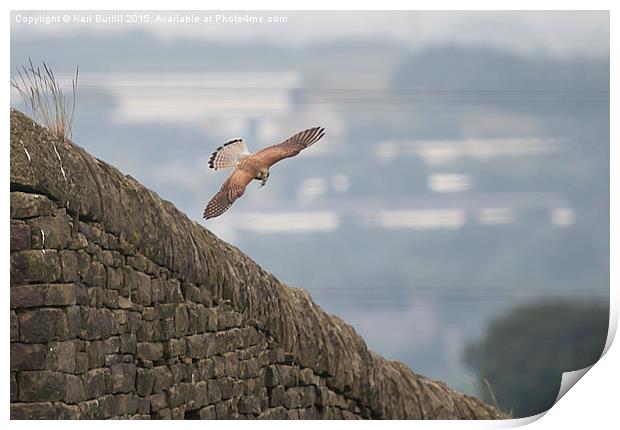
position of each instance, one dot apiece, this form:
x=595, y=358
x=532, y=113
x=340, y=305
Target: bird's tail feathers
x=228, y=155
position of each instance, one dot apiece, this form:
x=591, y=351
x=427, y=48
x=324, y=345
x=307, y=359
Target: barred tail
x=228, y=155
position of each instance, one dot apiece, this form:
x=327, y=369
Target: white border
x=592, y=403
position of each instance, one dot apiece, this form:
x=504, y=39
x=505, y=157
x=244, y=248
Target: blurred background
x=457, y=211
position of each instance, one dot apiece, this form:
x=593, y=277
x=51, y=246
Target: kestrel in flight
x=249, y=166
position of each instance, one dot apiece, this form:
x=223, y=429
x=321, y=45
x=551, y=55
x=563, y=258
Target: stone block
x=42, y=325
x=20, y=236
x=196, y=346
x=150, y=351
x=181, y=320
x=141, y=290
x=29, y=205
x=158, y=401
x=123, y=378
x=96, y=275
x=115, y=278
x=27, y=296
x=214, y=393
x=95, y=352
x=61, y=294
x=68, y=412
x=249, y=405
x=50, y=232
x=61, y=356
x=174, y=348
x=208, y=413
x=14, y=327
x=145, y=379
x=33, y=411
x=27, y=356
x=276, y=396
x=68, y=264
x=40, y=386
x=163, y=379
x=35, y=266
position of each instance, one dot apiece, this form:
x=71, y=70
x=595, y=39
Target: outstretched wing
x=290, y=147
x=230, y=191
x=228, y=155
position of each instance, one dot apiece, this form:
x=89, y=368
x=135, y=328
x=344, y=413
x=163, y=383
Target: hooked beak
x=263, y=182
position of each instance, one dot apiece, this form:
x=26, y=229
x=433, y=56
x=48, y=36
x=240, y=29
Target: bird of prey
x=249, y=166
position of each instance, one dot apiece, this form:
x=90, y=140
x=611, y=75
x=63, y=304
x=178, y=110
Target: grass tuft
x=44, y=98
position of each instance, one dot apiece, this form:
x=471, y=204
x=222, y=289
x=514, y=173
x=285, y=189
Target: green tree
x=521, y=359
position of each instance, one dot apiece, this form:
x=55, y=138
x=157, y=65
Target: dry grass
x=44, y=98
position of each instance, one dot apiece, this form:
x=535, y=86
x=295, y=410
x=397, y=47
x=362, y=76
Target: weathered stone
x=163, y=379
x=123, y=378
x=287, y=375
x=128, y=343
x=34, y=266
x=181, y=321
x=81, y=363
x=276, y=396
x=14, y=327
x=172, y=291
x=38, y=386
x=219, y=366
x=157, y=291
x=174, y=348
x=141, y=290
x=50, y=231
x=68, y=263
x=78, y=241
x=214, y=393
x=125, y=404
x=20, y=236
x=205, y=369
x=88, y=409
x=208, y=413
x=144, y=407
x=150, y=350
x=149, y=313
x=83, y=263
x=42, y=325
x=110, y=299
x=60, y=294
x=68, y=412
x=224, y=410
x=112, y=345
x=14, y=396
x=249, y=405
x=95, y=351
x=27, y=296
x=146, y=331
x=29, y=205
x=196, y=346
x=27, y=357
x=61, y=356
x=33, y=411
x=115, y=278
x=158, y=401
x=178, y=394
x=227, y=319
x=96, y=275
x=145, y=379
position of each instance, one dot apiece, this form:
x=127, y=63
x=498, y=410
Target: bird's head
x=263, y=175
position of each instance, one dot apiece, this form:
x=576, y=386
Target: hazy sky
x=555, y=33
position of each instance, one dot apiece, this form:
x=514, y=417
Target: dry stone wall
x=122, y=307
x=100, y=331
